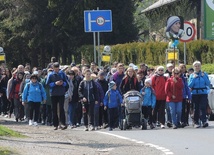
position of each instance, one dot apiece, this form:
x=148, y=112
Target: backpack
x=28, y=87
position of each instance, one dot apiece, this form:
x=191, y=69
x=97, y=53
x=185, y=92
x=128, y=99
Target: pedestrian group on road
x=86, y=95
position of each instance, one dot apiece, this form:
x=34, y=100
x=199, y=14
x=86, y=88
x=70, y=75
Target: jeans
x=168, y=113
x=176, y=110
x=72, y=113
x=96, y=115
x=200, y=101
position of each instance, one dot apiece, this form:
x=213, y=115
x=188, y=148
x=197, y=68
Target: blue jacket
x=149, y=98
x=54, y=89
x=100, y=95
x=34, y=92
x=198, y=83
x=112, y=99
x=186, y=90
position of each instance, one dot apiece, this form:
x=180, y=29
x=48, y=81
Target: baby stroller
x=132, y=111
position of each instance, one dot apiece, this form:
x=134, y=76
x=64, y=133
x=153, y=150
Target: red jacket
x=176, y=89
x=158, y=84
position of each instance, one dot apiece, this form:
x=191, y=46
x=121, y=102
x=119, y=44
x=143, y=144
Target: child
x=112, y=100
x=149, y=101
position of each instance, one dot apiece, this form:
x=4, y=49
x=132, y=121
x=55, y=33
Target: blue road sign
x=98, y=21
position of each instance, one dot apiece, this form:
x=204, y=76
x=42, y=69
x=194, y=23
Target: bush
x=153, y=53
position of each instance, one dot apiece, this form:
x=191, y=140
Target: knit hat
x=160, y=67
x=171, y=20
x=169, y=65
x=111, y=84
x=34, y=75
x=149, y=81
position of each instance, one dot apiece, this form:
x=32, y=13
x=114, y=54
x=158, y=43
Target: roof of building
x=157, y=5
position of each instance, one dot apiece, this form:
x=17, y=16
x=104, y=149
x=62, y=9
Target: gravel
x=44, y=140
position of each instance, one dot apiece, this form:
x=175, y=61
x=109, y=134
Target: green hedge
x=153, y=53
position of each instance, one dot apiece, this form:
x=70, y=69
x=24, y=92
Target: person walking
x=88, y=95
x=112, y=101
x=58, y=84
x=158, y=84
x=149, y=101
x=198, y=83
x=174, y=96
x=33, y=94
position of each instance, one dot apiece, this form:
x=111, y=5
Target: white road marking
x=164, y=150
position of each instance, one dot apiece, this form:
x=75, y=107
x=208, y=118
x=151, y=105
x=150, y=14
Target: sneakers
x=86, y=129
x=175, y=127
x=169, y=124
x=197, y=126
x=205, y=124
x=64, y=127
x=92, y=128
x=152, y=126
x=162, y=126
x=96, y=128
x=35, y=123
x=30, y=122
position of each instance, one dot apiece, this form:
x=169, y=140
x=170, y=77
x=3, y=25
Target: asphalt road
x=182, y=141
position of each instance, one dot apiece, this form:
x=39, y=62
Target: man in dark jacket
x=88, y=95
x=103, y=116
x=57, y=82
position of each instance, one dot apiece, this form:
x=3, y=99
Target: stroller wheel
x=144, y=124
x=124, y=124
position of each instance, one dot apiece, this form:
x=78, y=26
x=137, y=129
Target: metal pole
x=94, y=37
x=185, y=61
x=98, y=44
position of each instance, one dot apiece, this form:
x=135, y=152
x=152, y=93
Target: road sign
x=189, y=32
x=98, y=21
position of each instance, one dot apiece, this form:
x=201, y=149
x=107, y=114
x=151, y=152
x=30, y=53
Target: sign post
x=97, y=21
x=189, y=34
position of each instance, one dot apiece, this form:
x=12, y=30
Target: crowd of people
x=66, y=97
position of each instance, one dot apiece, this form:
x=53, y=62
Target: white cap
x=148, y=80
x=169, y=65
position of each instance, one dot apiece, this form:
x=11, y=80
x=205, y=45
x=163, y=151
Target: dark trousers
x=200, y=101
x=185, y=112
x=79, y=113
x=159, y=111
x=5, y=104
x=58, y=101
x=11, y=106
x=88, y=115
x=147, y=112
x=18, y=109
x=113, y=117
x=34, y=109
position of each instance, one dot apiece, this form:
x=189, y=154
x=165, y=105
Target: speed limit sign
x=189, y=32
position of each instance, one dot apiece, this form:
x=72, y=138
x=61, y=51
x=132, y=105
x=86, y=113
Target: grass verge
x=5, y=151
x=4, y=131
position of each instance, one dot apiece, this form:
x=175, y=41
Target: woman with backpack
x=33, y=94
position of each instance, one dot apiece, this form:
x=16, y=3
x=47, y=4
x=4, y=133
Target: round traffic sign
x=100, y=21
x=1, y=49
x=189, y=32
